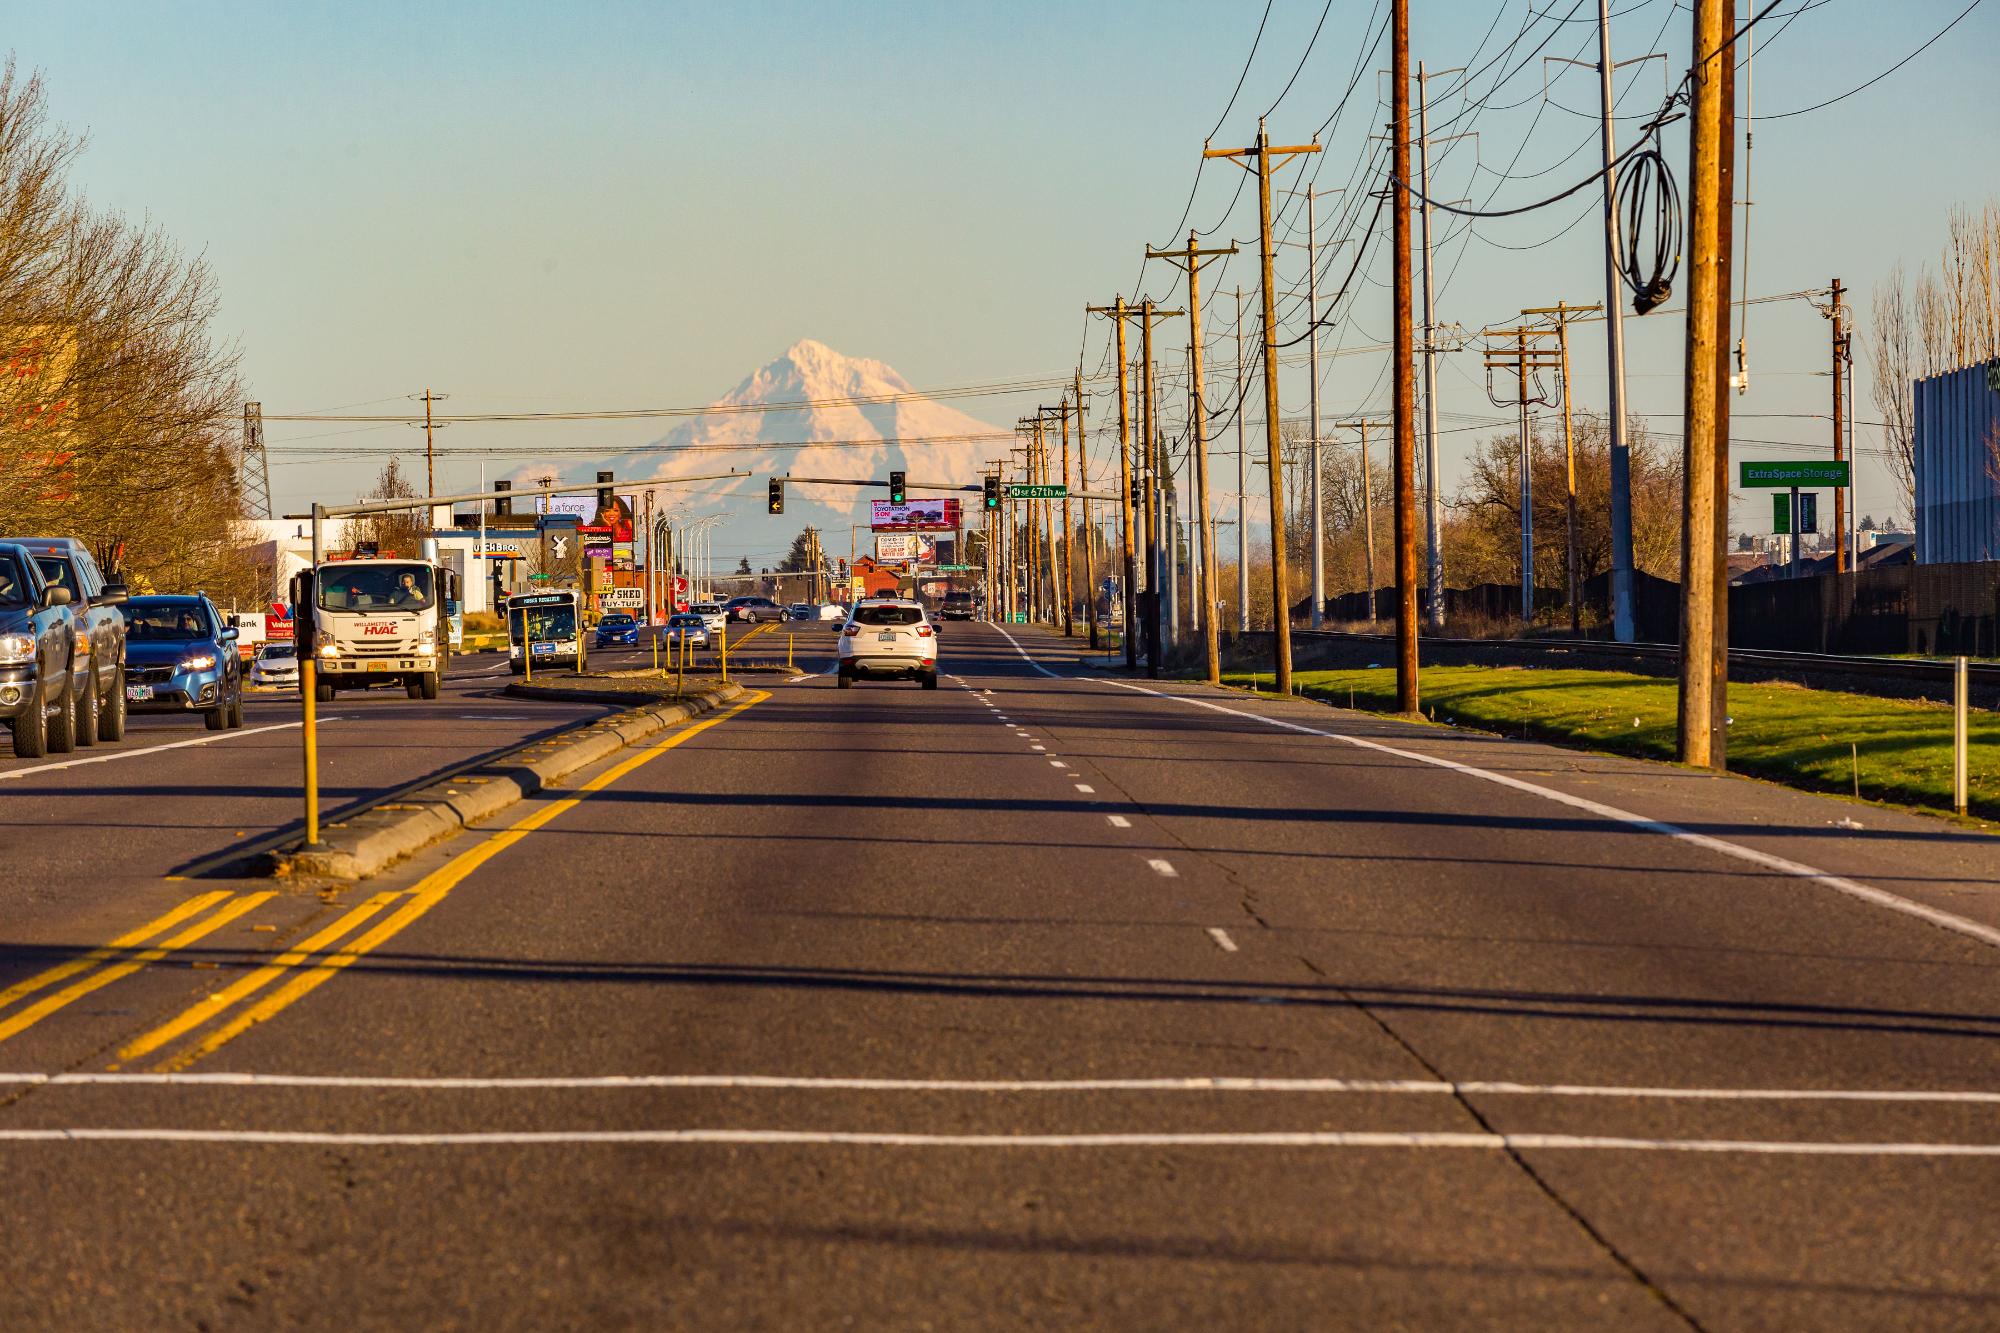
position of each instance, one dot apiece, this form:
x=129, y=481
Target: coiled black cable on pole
x=1648, y=203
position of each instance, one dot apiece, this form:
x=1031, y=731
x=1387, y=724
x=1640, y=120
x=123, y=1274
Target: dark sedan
x=615, y=629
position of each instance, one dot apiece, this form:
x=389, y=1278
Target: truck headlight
x=329, y=650
x=17, y=648
x=197, y=662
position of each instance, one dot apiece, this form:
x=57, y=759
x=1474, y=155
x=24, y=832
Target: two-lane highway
x=1047, y=997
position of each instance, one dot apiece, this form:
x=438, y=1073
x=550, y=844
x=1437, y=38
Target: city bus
x=547, y=624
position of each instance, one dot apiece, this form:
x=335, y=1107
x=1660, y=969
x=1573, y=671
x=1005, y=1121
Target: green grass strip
x=1788, y=734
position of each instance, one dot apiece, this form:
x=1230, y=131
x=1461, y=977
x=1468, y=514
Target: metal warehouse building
x=1958, y=466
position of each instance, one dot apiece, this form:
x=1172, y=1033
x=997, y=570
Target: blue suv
x=181, y=658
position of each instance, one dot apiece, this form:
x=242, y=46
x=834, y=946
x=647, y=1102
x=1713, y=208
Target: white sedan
x=276, y=667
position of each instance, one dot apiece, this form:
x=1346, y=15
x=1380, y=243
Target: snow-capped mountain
x=830, y=436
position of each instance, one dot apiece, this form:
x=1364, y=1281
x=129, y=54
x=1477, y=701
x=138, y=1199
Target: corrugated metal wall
x=1958, y=456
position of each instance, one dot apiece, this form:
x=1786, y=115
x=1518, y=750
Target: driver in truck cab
x=406, y=593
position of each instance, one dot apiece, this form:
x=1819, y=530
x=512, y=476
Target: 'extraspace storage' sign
x=916, y=516
x=1795, y=474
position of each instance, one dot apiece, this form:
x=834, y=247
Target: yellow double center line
x=121, y=958
x=309, y=968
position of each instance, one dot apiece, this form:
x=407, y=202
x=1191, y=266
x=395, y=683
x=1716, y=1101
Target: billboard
x=579, y=507
x=897, y=547
x=916, y=515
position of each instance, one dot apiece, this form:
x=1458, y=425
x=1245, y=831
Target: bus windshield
x=545, y=624
x=375, y=587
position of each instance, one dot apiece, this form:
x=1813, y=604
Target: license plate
x=378, y=666
x=136, y=692
x=887, y=636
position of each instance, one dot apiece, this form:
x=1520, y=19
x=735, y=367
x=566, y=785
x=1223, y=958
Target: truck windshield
x=376, y=588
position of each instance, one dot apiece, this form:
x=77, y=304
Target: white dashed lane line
x=1164, y=869
x=1086, y=789
x=1119, y=821
x=1222, y=940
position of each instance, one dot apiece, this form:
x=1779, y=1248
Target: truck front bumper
x=349, y=667
x=17, y=689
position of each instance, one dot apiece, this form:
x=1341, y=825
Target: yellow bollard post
x=790, y=639
x=528, y=655
x=308, y=693
x=723, y=656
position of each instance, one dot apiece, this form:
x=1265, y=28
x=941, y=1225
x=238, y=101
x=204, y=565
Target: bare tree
x=1950, y=319
x=399, y=531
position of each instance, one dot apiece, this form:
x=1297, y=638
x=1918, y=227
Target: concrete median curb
x=374, y=839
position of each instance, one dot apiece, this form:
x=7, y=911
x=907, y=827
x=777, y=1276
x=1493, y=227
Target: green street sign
x=1787, y=475
x=1781, y=514
x=538, y=578
x=1026, y=492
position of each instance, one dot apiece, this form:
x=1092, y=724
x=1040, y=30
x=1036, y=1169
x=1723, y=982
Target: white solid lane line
x=839, y=1083
x=153, y=749
x=1222, y=940
x=880, y=1139
x=1867, y=893
x=1024, y=654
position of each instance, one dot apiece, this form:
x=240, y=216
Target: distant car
x=754, y=609
x=833, y=611
x=711, y=614
x=617, y=627
x=98, y=685
x=181, y=658
x=276, y=667
x=957, y=606
x=37, y=641
x=888, y=637
x=802, y=611
x=686, y=627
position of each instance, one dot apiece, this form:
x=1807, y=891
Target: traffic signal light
x=896, y=488
x=777, y=496
x=992, y=496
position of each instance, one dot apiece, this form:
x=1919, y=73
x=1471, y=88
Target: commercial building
x=1958, y=466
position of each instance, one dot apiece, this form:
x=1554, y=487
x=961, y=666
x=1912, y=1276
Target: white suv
x=888, y=637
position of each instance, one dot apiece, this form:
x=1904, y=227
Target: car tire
x=236, y=708
x=427, y=688
x=62, y=726
x=31, y=733
x=216, y=718
x=846, y=679
x=322, y=692
x=111, y=714
x=87, y=713
x=929, y=679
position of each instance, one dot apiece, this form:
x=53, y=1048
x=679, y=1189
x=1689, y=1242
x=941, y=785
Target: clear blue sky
x=634, y=204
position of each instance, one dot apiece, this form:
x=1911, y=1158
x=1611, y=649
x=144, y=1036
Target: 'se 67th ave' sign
x=1795, y=474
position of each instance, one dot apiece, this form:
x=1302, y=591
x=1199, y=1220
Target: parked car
x=37, y=639
x=888, y=637
x=617, y=627
x=181, y=658
x=957, y=606
x=686, y=627
x=98, y=684
x=754, y=609
x=712, y=615
x=276, y=667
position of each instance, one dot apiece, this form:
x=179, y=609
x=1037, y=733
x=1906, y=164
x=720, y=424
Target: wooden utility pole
x=1564, y=314
x=1263, y=152
x=1522, y=358
x=1118, y=312
x=1405, y=372
x=1840, y=357
x=1206, y=596
x=1089, y=528
x=1069, y=532
x=1242, y=488
x=1725, y=254
x=430, y=451
x=1693, y=730
x=1363, y=424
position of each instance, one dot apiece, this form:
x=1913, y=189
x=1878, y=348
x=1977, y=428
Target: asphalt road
x=1044, y=998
